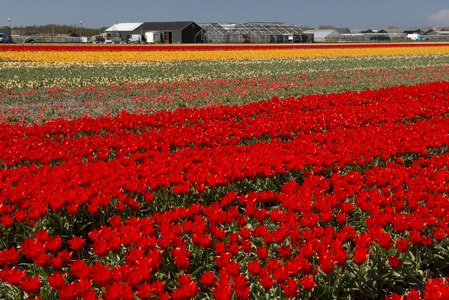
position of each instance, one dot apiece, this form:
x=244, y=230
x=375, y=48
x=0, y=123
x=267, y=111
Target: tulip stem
x=416, y=258
x=21, y=293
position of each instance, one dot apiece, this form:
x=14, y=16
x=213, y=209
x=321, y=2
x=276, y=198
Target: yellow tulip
x=134, y=56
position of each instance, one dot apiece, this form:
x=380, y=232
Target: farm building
x=324, y=35
x=436, y=35
x=253, y=32
x=6, y=31
x=153, y=32
x=366, y=35
x=373, y=36
x=368, y=31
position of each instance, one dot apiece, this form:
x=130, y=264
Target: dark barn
x=163, y=32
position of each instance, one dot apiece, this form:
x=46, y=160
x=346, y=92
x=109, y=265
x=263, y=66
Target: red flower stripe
x=323, y=117
x=303, y=207
x=201, y=47
x=185, y=168
x=193, y=92
x=393, y=201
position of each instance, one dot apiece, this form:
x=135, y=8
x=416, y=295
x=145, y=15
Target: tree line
x=50, y=29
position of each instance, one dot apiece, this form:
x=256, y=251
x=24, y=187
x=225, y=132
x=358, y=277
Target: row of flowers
x=200, y=47
x=35, y=75
x=319, y=196
x=322, y=231
x=130, y=55
x=315, y=119
x=52, y=102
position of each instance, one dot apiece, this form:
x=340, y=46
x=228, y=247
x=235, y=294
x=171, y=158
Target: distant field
x=34, y=89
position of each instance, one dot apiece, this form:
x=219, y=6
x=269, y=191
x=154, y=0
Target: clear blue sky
x=361, y=14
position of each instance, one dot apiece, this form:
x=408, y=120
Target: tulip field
x=224, y=172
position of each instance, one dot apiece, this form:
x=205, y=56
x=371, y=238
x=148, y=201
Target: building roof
x=413, y=31
x=323, y=33
x=343, y=30
x=251, y=28
x=124, y=27
x=150, y=26
x=437, y=32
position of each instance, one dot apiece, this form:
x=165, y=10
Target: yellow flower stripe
x=123, y=56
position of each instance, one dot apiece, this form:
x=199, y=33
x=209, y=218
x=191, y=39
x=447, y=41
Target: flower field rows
x=224, y=172
x=63, y=100
x=54, y=55
x=200, y=47
x=319, y=196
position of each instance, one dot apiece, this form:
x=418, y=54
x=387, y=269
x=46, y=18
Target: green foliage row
x=42, y=75
x=42, y=91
